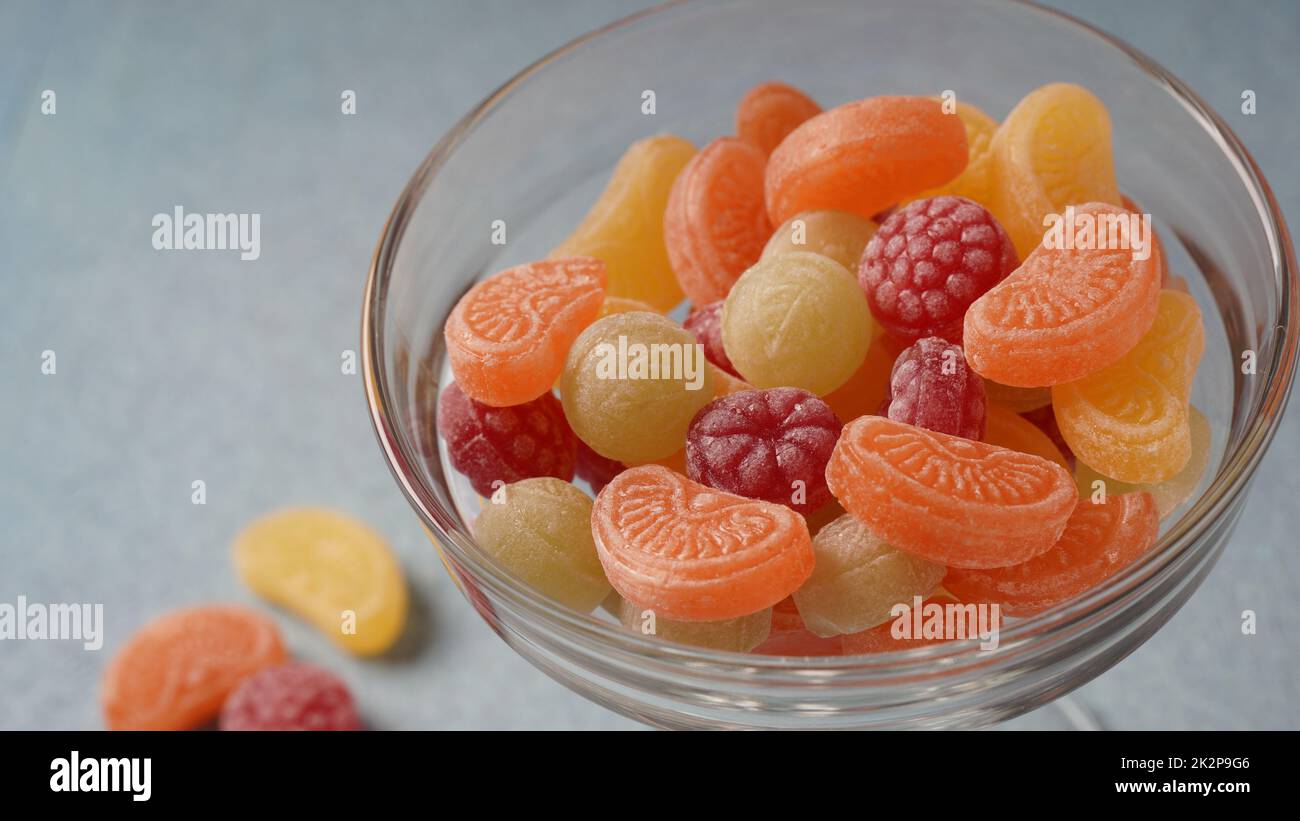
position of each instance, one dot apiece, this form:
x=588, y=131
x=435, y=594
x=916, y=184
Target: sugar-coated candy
x=692, y=553
x=789, y=636
x=932, y=387
x=1172, y=492
x=836, y=234
x=738, y=635
x=290, y=697
x=976, y=181
x=705, y=322
x=769, y=112
x=1008, y=429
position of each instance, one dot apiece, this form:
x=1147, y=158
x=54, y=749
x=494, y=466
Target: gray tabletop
x=173, y=368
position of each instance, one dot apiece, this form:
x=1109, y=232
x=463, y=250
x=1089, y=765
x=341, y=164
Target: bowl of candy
x=828, y=364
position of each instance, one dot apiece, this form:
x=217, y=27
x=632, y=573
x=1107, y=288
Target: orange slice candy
x=1007, y=429
x=865, y=156
x=770, y=111
x=976, y=182
x=507, y=338
x=1098, y=542
x=176, y=671
x=716, y=225
x=692, y=553
x=1064, y=313
x=948, y=499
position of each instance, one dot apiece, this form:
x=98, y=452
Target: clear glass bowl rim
x=443, y=525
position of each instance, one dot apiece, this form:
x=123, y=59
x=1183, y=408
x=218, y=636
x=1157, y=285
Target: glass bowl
x=536, y=153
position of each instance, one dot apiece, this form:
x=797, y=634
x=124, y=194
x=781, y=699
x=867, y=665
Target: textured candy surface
x=625, y=227
x=1157, y=247
x=1008, y=429
x=1129, y=421
x=836, y=234
x=769, y=112
x=321, y=565
x=789, y=636
x=290, y=697
x=765, y=444
x=490, y=444
x=895, y=635
x=863, y=157
x=693, y=553
x=634, y=413
x=506, y=338
x=929, y=261
x=1172, y=492
x=1064, y=313
x=976, y=181
x=948, y=499
x=932, y=387
x=716, y=224
x=1098, y=542
x=176, y=671
x=540, y=530
x=868, y=387
x=705, y=322
x=858, y=578
x=1052, y=150
x=739, y=635
x=797, y=320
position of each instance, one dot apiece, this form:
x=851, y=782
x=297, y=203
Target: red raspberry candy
x=706, y=323
x=488, y=444
x=932, y=387
x=596, y=469
x=759, y=443
x=290, y=697
x=929, y=261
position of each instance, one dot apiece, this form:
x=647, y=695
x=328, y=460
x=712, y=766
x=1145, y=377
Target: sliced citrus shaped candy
x=625, y=228
x=1098, y=541
x=770, y=111
x=864, y=157
x=1129, y=421
x=948, y=499
x=1157, y=247
x=508, y=336
x=1065, y=312
x=177, y=670
x=715, y=225
x=1051, y=151
x=331, y=570
x=1172, y=492
x=1008, y=429
x=976, y=181
x=692, y=553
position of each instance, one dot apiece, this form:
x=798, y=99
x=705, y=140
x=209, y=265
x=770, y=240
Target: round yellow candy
x=836, y=234
x=329, y=569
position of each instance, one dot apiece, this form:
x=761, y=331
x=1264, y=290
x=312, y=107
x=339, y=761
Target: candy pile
x=892, y=384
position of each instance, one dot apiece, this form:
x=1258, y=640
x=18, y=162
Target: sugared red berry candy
x=290, y=697
x=929, y=261
x=706, y=323
x=933, y=388
x=769, y=444
x=490, y=444
x=597, y=470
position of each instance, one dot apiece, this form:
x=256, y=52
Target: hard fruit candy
x=290, y=697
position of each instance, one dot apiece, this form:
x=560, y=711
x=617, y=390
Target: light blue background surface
x=174, y=367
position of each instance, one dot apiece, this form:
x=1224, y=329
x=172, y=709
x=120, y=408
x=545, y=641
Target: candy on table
x=494, y=446
x=1172, y=492
x=863, y=157
x=1051, y=151
x=738, y=635
x=768, y=444
x=622, y=398
x=705, y=322
x=506, y=338
x=797, y=320
x=932, y=387
x=1020, y=400
x=1065, y=312
x=769, y=112
x=176, y=671
x=1008, y=429
x=790, y=637
x=595, y=469
x=858, y=578
x=868, y=387
x=1044, y=419
x=716, y=224
x=540, y=530
x=929, y=261
x=1129, y=421
x=290, y=697
x=1157, y=247
x=1099, y=540
x=692, y=553
x=947, y=499
x=321, y=564
x=625, y=227
x=836, y=234
x=976, y=181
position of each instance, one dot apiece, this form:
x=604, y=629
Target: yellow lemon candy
x=329, y=569
x=835, y=234
x=625, y=228
x=976, y=182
